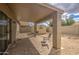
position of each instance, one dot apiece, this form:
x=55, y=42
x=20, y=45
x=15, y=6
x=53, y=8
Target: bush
x=68, y=22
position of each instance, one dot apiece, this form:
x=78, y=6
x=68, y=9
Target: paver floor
x=23, y=47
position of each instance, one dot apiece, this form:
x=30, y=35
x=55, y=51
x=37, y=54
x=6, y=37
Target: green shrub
x=68, y=22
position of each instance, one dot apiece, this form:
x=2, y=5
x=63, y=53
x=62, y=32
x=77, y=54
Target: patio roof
x=31, y=11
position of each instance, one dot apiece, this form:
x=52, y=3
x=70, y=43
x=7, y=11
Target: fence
x=70, y=30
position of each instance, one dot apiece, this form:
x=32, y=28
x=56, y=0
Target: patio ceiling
x=31, y=12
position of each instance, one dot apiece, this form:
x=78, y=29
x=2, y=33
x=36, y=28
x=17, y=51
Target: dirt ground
x=70, y=45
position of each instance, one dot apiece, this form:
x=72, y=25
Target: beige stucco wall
x=43, y=30
x=23, y=33
x=64, y=30
x=70, y=29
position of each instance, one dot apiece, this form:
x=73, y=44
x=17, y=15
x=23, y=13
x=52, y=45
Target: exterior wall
x=74, y=30
x=43, y=30
x=70, y=29
x=22, y=32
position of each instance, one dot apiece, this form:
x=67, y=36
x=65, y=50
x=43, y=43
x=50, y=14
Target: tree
x=68, y=21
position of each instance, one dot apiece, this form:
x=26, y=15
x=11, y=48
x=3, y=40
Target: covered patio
x=36, y=13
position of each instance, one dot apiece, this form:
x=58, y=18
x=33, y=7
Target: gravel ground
x=69, y=46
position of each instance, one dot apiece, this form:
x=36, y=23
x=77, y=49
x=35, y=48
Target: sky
x=74, y=15
x=71, y=9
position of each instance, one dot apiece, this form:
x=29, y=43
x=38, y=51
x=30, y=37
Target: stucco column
x=35, y=29
x=56, y=30
x=13, y=31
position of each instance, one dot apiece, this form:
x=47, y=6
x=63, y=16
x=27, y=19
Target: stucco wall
x=20, y=34
x=70, y=29
x=74, y=30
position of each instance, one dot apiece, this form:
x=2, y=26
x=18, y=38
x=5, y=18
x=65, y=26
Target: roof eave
x=52, y=7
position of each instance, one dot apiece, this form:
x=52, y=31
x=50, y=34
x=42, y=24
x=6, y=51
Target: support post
x=56, y=30
x=35, y=29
